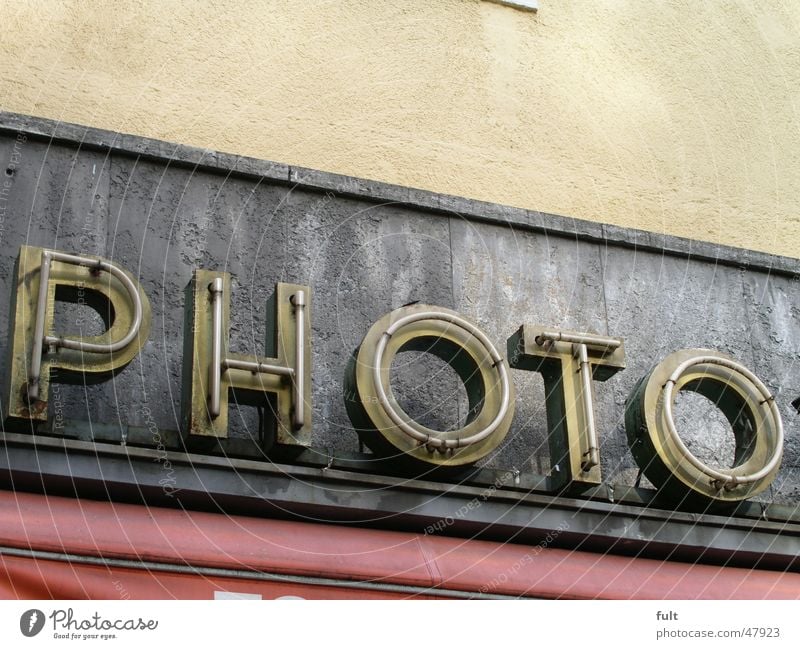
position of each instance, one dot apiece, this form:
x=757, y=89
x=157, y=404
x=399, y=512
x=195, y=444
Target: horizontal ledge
x=375, y=191
x=264, y=489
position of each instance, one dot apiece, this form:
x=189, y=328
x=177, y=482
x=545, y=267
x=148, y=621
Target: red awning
x=67, y=548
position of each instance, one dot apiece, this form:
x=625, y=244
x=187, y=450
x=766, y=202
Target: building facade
x=419, y=167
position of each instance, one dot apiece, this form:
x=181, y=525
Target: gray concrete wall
x=365, y=249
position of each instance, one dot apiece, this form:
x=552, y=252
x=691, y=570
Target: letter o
x=381, y=422
x=744, y=400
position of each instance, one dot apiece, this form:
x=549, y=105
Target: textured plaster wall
x=677, y=117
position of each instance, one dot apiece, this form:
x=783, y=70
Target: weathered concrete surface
x=366, y=249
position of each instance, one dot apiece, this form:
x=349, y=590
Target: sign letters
x=570, y=363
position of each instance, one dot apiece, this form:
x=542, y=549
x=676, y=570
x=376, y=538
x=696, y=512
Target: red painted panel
x=22, y=578
x=125, y=531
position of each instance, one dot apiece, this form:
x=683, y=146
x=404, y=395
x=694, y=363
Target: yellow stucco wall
x=678, y=117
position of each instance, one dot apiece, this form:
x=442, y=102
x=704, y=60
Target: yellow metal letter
x=211, y=370
x=42, y=277
x=744, y=400
x=381, y=422
x=570, y=362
